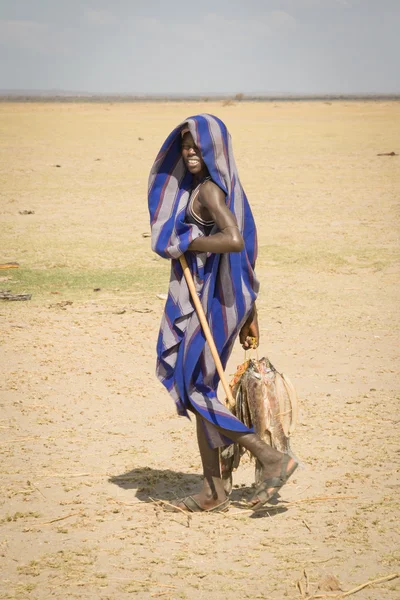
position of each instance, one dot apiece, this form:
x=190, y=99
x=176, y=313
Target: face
x=192, y=156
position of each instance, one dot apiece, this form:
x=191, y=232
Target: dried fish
x=265, y=400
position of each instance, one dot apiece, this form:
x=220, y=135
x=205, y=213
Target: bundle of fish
x=265, y=400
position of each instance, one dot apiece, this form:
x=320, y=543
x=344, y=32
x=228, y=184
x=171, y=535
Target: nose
x=191, y=150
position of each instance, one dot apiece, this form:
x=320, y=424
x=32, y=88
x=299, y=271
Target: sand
x=89, y=438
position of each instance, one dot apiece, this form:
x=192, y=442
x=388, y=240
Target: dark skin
x=210, y=205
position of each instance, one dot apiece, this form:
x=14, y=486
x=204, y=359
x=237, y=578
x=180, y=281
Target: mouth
x=193, y=162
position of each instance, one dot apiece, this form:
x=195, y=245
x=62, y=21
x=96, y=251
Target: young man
x=198, y=207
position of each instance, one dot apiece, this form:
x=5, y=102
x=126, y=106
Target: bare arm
x=228, y=238
x=249, y=335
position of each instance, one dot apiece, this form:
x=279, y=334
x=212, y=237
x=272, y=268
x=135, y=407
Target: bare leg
x=272, y=461
x=212, y=493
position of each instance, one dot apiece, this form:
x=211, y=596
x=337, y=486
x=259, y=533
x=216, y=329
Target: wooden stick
x=75, y=514
x=319, y=562
x=356, y=589
x=36, y=488
x=307, y=525
x=301, y=588
x=162, y=503
x=307, y=582
x=206, y=328
x=361, y=587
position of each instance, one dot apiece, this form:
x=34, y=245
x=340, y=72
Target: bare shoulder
x=211, y=193
x=212, y=201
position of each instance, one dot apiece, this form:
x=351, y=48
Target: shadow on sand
x=164, y=484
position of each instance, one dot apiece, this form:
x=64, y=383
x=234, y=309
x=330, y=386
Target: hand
x=249, y=335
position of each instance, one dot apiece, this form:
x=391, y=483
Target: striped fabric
x=226, y=283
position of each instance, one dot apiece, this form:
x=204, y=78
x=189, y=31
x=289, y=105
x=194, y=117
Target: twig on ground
x=72, y=475
x=304, y=591
x=301, y=589
x=320, y=499
x=25, y=491
x=319, y=562
x=132, y=504
x=129, y=579
x=7, y=295
x=307, y=582
x=75, y=514
x=302, y=491
x=307, y=525
x=30, y=483
x=368, y=583
x=356, y=589
x=22, y=439
x=286, y=504
x=176, y=508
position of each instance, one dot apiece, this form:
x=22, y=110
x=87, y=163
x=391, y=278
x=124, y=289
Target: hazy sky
x=201, y=47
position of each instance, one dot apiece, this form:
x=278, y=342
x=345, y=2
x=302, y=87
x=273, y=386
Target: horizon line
x=42, y=94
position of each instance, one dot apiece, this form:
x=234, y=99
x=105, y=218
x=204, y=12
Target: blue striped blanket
x=226, y=283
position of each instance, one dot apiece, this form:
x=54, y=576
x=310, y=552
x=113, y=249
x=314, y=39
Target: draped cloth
x=226, y=283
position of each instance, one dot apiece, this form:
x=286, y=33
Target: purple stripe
x=229, y=285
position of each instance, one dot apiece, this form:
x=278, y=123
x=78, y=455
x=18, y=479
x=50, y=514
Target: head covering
x=226, y=283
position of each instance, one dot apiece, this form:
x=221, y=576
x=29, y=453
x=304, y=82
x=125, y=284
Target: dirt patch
x=90, y=439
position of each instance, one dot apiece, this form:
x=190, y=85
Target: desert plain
x=90, y=443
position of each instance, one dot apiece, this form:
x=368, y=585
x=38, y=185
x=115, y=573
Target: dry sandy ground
x=89, y=438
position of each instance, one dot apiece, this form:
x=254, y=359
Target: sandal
x=274, y=483
x=192, y=506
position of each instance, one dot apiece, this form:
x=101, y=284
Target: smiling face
x=192, y=157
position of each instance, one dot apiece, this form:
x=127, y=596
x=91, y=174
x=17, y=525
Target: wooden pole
x=206, y=328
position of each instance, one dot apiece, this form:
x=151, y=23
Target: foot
x=190, y=504
x=275, y=475
x=202, y=501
